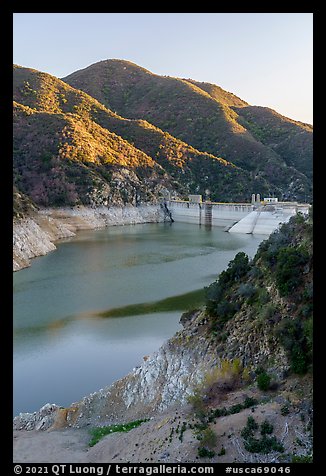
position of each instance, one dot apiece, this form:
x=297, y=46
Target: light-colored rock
x=165, y=378
x=35, y=235
x=40, y=420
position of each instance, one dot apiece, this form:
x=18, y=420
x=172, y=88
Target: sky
x=264, y=58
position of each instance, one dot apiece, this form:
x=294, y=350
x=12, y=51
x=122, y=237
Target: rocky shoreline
x=158, y=392
x=36, y=234
x=220, y=374
x=166, y=378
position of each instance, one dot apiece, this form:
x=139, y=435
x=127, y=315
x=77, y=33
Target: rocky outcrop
x=254, y=343
x=40, y=420
x=166, y=378
x=168, y=437
x=36, y=234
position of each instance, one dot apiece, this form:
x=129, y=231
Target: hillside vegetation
x=63, y=156
x=200, y=114
x=70, y=149
x=273, y=294
x=115, y=133
x=292, y=140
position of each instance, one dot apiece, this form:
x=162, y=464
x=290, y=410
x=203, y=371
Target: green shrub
x=250, y=427
x=263, y=381
x=288, y=275
x=222, y=452
x=265, y=445
x=99, y=432
x=205, y=453
x=197, y=402
x=255, y=272
x=219, y=412
x=225, y=310
x=182, y=430
x=263, y=296
x=208, y=438
x=308, y=291
x=285, y=410
x=299, y=359
x=294, y=335
x=268, y=249
x=251, y=423
x=308, y=333
x=235, y=408
x=239, y=266
x=266, y=428
x=249, y=402
x=246, y=433
x=216, y=304
x=306, y=310
x=247, y=291
x=302, y=459
x=268, y=311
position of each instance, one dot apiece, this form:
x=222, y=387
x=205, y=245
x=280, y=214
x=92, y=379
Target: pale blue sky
x=265, y=58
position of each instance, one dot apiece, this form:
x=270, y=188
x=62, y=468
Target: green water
x=87, y=313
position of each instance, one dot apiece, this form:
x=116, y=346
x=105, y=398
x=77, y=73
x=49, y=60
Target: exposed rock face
x=166, y=378
x=168, y=438
x=35, y=235
x=40, y=420
x=255, y=345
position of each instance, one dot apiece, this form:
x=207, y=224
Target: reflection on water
x=183, y=302
x=63, y=348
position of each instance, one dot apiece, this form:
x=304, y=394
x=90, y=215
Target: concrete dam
x=260, y=218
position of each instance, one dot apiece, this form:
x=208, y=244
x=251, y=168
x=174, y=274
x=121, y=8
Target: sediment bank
x=37, y=234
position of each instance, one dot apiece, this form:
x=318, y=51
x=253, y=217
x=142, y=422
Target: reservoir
x=88, y=313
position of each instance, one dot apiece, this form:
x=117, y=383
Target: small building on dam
x=259, y=217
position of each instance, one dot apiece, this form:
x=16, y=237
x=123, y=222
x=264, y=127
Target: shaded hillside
x=197, y=113
x=256, y=306
x=196, y=171
x=292, y=140
x=259, y=319
x=67, y=144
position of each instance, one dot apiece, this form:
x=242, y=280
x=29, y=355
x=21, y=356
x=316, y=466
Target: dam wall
x=250, y=218
x=209, y=213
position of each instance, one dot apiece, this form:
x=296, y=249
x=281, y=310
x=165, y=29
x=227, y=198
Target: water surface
x=87, y=313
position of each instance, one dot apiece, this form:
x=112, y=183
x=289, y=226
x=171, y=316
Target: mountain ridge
x=186, y=111
x=79, y=143
x=38, y=94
